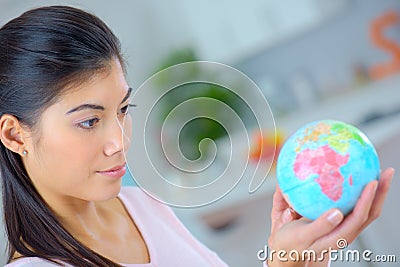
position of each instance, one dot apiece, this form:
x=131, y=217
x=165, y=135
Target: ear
x=11, y=133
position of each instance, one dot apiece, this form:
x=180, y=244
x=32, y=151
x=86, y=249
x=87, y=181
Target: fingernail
x=375, y=187
x=287, y=215
x=335, y=217
x=393, y=171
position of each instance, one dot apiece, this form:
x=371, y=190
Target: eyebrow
x=98, y=107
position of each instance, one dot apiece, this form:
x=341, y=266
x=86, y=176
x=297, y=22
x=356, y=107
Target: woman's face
x=81, y=137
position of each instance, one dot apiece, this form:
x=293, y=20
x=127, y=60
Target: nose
x=114, y=137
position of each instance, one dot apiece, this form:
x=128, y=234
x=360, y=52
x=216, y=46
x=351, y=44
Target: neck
x=85, y=220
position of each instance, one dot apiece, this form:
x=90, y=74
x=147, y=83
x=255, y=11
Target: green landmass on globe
x=326, y=164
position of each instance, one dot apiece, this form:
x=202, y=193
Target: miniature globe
x=326, y=164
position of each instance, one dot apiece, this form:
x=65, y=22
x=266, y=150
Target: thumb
x=323, y=225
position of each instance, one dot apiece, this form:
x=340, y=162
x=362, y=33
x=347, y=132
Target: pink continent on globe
x=326, y=163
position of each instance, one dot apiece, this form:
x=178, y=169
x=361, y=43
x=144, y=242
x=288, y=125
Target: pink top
x=168, y=241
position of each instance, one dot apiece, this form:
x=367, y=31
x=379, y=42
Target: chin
x=105, y=193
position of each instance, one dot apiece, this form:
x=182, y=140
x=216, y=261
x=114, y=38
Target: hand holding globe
x=291, y=231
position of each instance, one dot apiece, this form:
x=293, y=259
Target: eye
x=124, y=110
x=88, y=124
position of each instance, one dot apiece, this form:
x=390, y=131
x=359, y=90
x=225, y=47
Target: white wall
x=136, y=23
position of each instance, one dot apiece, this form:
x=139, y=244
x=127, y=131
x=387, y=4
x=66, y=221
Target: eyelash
x=124, y=111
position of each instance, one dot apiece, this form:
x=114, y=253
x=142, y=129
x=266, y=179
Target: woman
x=63, y=105
x=64, y=127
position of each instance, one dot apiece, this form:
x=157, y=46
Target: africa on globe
x=326, y=164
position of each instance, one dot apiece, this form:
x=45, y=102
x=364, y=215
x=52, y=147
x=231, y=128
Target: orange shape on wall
x=377, y=32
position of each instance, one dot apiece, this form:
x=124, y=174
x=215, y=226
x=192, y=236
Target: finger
x=381, y=193
x=323, y=225
x=279, y=205
x=352, y=225
x=295, y=215
x=283, y=205
x=287, y=216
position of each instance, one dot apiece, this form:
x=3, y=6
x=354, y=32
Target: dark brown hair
x=44, y=52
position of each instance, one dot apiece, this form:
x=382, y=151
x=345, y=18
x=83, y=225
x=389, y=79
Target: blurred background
x=312, y=59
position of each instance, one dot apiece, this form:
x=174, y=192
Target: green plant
x=197, y=129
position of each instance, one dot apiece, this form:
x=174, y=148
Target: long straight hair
x=43, y=53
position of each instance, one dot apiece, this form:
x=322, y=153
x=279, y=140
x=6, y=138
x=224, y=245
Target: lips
x=116, y=172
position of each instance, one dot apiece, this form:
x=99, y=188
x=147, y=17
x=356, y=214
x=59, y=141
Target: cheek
x=67, y=152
